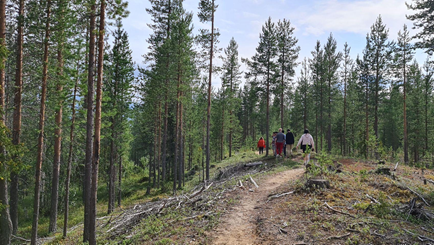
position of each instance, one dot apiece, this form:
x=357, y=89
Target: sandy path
x=238, y=226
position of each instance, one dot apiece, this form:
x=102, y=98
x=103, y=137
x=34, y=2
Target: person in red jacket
x=261, y=145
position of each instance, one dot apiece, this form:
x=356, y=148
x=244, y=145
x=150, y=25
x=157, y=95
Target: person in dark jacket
x=289, y=142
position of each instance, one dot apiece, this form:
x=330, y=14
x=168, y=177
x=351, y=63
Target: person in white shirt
x=306, y=142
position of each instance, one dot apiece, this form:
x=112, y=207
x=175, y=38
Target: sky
x=348, y=21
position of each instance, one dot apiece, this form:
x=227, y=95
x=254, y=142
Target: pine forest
x=99, y=148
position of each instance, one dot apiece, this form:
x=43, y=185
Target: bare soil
x=238, y=225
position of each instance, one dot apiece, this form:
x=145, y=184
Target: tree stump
x=317, y=183
x=385, y=171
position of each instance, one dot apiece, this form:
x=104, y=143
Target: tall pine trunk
x=57, y=139
x=113, y=152
x=208, y=116
x=41, y=129
x=16, y=130
x=5, y=221
x=97, y=139
x=405, y=117
x=71, y=146
x=89, y=124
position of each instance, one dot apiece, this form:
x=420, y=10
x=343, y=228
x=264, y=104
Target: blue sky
x=348, y=20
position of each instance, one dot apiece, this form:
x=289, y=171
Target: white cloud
x=351, y=16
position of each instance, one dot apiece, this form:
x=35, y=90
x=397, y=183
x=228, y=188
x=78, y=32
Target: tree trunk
x=41, y=129
x=97, y=139
x=329, y=130
x=57, y=141
x=222, y=134
x=208, y=121
x=405, y=117
x=89, y=125
x=344, y=140
x=113, y=153
x=71, y=144
x=16, y=131
x=120, y=181
x=5, y=221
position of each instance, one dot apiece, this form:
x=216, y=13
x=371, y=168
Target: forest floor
x=361, y=205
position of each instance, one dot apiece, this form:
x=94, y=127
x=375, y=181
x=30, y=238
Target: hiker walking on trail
x=261, y=145
x=280, y=140
x=307, y=144
x=289, y=142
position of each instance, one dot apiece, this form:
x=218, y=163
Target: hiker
x=307, y=144
x=289, y=142
x=273, y=143
x=280, y=140
x=261, y=145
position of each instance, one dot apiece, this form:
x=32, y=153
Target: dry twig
x=337, y=211
x=420, y=196
x=253, y=181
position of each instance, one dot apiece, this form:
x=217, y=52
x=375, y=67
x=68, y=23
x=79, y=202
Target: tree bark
x=5, y=221
x=57, y=140
x=71, y=145
x=16, y=130
x=208, y=120
x=89, y=124
x=41, y=129
x=97, y=139
x=405, y=116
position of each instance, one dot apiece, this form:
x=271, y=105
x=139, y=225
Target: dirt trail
x=238, y=226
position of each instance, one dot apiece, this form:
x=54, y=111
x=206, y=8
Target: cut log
x=317, y=183
x=253, y=164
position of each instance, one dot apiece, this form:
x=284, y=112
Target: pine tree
x=379, y=52
x=346, y=76
x=287, y=53
x=264, y=65
x=231, y=78
x=5, y=221
x=331, y=65
x=36, y=203
x=317, y=71
x=16, y=130
x=118, y=86
x=404, y=54
x=207, y=10
x=423, y=20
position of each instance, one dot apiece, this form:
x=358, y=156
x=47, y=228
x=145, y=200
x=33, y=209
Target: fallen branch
x=377, y=234
x=253, y=181
x=20, y=238
x=337, y=211
x=204, y=187
x=279, y=195
x=417, y=194
x=252, y=164
x=432, y=182
x=421, y=238
x=372, y=199
x=241, y=184
x=338, y=237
